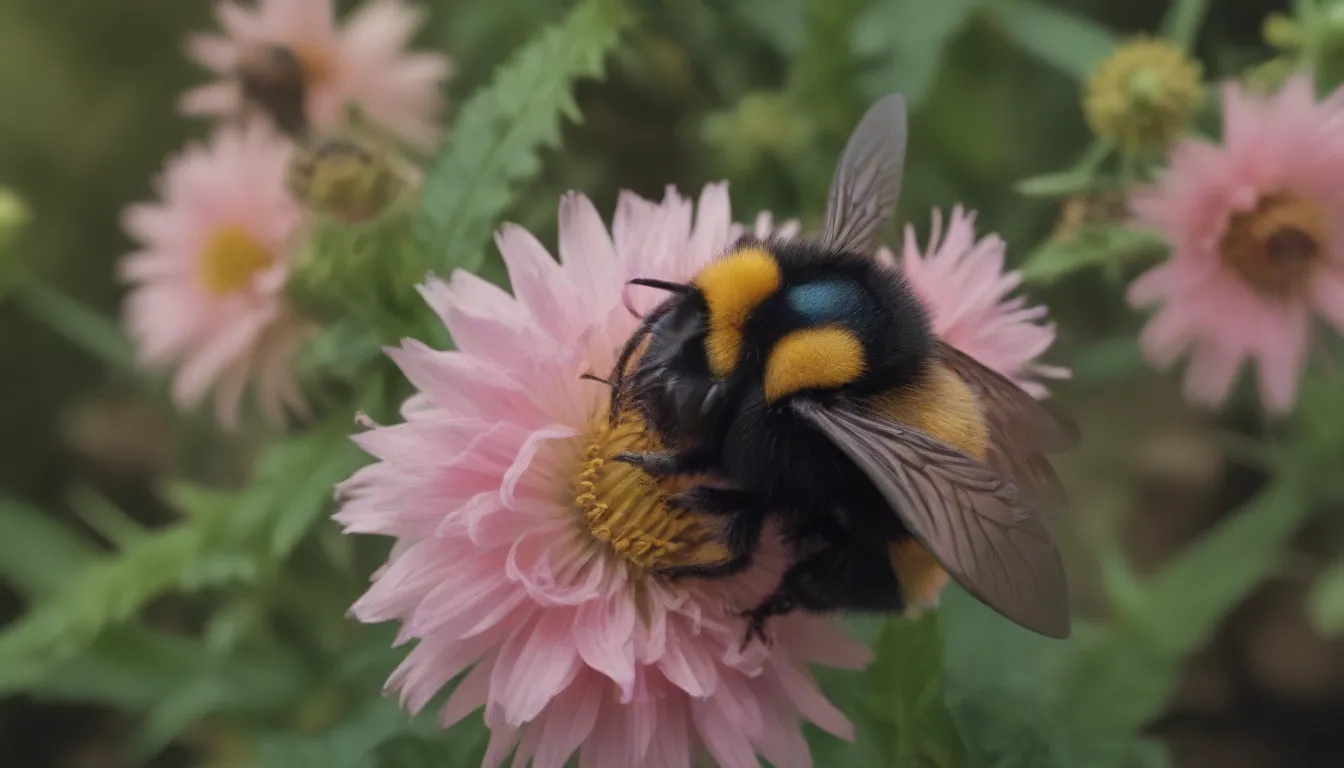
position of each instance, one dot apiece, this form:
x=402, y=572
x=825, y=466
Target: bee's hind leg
x=740, y=527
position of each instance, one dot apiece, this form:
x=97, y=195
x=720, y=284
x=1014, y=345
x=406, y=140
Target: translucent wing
x=1021, y=428
x=974, y=522
x=867, y=181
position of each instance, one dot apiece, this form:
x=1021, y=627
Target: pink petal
x=534, y=666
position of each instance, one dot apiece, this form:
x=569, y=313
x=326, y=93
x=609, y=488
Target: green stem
x=81, y=325
x=1182, y=22
x=109, y=520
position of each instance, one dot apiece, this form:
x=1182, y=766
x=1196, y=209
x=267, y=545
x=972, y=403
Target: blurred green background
x=761, y=92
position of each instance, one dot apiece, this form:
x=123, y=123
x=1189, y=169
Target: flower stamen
x=231, y=258
x=1274, y=246
x=627, y=509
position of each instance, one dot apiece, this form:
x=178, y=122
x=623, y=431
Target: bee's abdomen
x=940, y=404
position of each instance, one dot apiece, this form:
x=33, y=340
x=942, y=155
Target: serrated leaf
x=37, y=553
x=500, y=131
x=107, y=592
x=1325, y=605
x=291, y=487
x=906, y=39
x=1067, y=41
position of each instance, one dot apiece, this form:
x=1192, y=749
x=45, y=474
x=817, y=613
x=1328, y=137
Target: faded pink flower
x=522, y=550
x=207, y=285
x=966, y=290
x=1255, y=243
x=363, y=64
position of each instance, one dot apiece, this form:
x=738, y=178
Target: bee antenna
x=599, y=379
x=662, y=285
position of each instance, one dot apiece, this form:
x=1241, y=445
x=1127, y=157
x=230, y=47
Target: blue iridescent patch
x=826, y=300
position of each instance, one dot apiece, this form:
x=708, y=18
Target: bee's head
x=696, y=340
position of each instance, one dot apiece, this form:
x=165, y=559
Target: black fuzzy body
x=836, y=522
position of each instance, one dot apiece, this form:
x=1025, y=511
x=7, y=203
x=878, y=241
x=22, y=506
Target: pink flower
x=363, y=64
x=522, y=549
x=1255, y=243
x=962, y=283
x=207, y=285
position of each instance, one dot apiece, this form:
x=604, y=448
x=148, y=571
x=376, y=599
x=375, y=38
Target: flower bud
x=1141, y=96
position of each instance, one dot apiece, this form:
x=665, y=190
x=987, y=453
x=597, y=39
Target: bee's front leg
x=667, y=463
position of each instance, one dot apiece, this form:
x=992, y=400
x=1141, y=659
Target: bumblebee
x=803, y=380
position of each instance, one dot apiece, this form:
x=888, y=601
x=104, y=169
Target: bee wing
x=867, y=181
x=972, y=520
x=1021, y=428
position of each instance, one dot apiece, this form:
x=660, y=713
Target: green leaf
x=110, y=591
x=906, y=690
x=1071, y=43
x=350, y=743
x=1027, y=701
x=906, y=39
x=223, y=544
x=781, y=22
x=496, y=141
x=38, y=554
x=1325, y=605
x=1186, y=600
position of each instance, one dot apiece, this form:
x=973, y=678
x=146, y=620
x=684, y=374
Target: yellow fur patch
x=944, y=407
x=921, y=578
x=812, y=358
x=733, y=286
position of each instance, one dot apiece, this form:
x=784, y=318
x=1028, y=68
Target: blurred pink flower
x=1255, y=243
x=522, y=550
x=963, y=284
x=363, y=64
x=207, y=285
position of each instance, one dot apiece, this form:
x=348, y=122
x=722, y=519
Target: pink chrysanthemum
x=207, y=285
x=362, y=64
x=522, y=549
x=1255, y=243
x=962, y=283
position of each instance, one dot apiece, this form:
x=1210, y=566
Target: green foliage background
x=178, y=597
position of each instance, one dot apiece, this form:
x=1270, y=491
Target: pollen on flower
x=1274, y=246
x=231, y=258
x=627, y=509
x=1142, y=95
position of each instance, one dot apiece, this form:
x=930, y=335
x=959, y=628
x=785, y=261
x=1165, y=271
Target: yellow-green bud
x=1281, y=32
x=345, y=180
x=1141, y=96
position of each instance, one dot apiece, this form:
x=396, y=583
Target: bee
x=803, y=379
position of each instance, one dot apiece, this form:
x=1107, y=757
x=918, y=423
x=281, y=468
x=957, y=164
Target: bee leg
x=803, y=586
x=666, y=463
x=740, y=529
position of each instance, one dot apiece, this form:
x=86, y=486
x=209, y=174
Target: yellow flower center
x=626, y=509
x=232, y=257
x=318, y=64
x=1273, y=247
